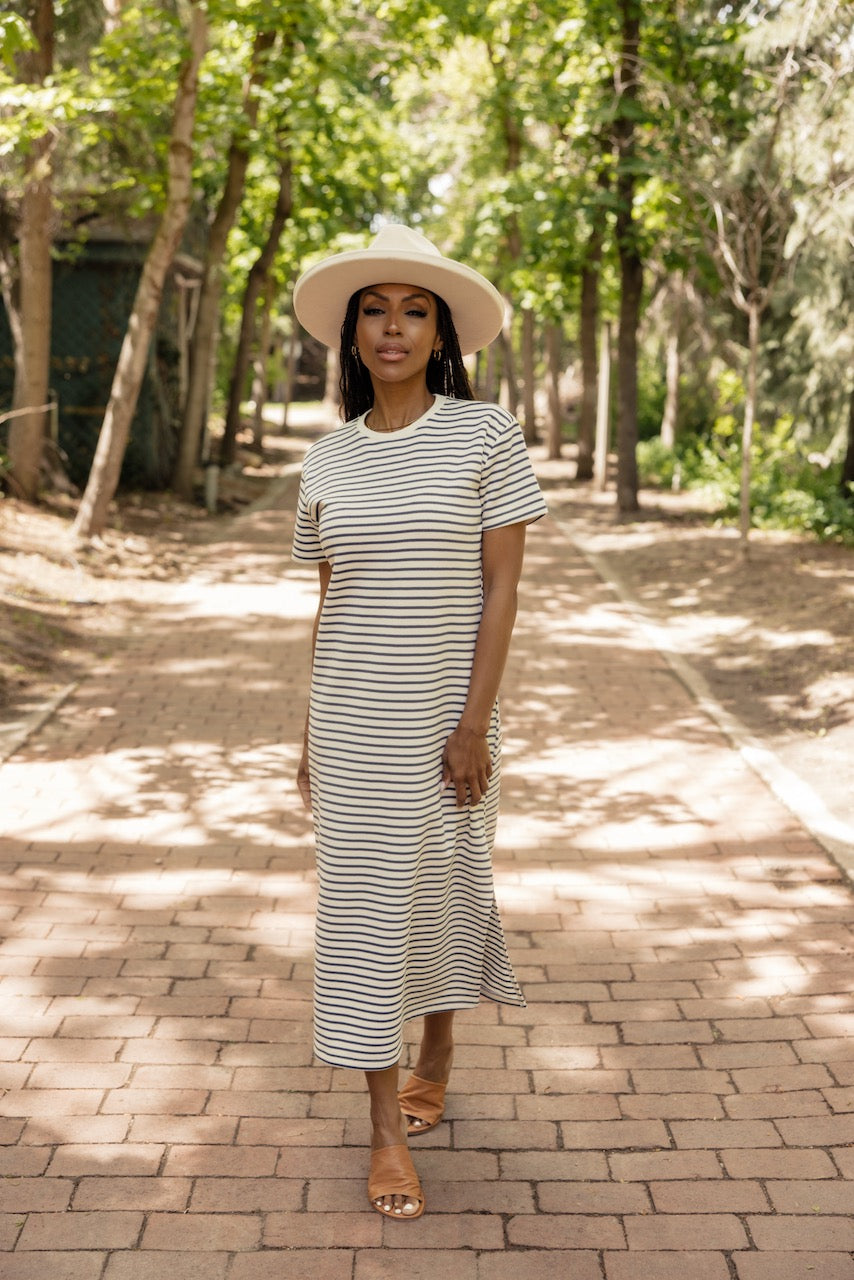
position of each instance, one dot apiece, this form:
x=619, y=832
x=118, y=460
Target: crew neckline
x=383, y=436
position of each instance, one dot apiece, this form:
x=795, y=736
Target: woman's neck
x=397, y=407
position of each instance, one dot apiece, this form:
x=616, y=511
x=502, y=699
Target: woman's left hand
x=466, y=765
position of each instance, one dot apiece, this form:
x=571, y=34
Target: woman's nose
x=391, y=324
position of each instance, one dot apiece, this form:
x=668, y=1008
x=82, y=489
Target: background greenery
x=496, y=127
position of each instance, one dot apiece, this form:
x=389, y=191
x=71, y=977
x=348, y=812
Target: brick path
x=677, y=1100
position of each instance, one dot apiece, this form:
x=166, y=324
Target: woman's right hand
x=303, y=780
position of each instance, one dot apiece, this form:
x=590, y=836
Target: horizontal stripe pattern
x=406, y=918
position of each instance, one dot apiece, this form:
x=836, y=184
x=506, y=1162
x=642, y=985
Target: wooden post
x=603, y=410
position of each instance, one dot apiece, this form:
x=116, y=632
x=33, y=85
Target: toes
x=397, y=1205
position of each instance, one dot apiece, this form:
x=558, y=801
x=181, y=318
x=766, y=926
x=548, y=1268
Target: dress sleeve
x=306, y=545
x=509, y=493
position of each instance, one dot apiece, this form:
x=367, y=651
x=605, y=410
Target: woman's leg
x=437, y=1047
x=435, y=1053
x=389, y=1129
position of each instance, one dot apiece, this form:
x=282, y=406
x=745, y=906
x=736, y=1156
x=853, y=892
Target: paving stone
x=58, y=1265
x=684, y=1065
x=419, y=1264
x=96, y=1230
x=156, y=1266
x=303, y=1264
x=666, y=1266
x=794, y=1266
x=566, y=1231
x=801, y=1232
x=535, y=1264
x=662, y=1231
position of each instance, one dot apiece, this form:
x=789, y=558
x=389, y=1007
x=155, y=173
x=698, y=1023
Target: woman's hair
x=446, y=376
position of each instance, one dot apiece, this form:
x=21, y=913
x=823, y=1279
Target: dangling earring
x=354, y=351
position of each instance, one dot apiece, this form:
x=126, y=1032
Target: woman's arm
x=466, y=762
x=325, y=573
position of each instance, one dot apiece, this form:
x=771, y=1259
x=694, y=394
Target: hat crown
x=395, y=238
x=398, y=255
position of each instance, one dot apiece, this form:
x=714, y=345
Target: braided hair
x=446, y=376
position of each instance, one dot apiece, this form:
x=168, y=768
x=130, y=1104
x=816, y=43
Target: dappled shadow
x=771, y=630
x=685, y=948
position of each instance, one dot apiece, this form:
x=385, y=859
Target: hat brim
x=322, y=293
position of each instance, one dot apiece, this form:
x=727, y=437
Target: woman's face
x=397, y=331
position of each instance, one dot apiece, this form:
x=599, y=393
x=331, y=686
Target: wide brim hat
x=398, y=255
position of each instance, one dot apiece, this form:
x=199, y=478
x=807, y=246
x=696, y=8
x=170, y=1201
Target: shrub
x=790, y=488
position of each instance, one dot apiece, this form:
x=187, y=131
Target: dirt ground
x=63, y=607
x=772, y=635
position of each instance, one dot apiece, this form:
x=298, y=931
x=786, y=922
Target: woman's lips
x=391, y=352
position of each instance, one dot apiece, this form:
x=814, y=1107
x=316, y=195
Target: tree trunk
x=529, y=377
x=511, y=127
x=673, y=366
x=511, y=383
x=10, y=285
x=631, y=265
x=207, y=317
x=124, y=393
x=672, y=373
x=254, y=286
x=293, y=354
x=631, y=288
x=847, y=477
x=35, y=273
x=260, y=372
x=749, y=420
x=603, y=412
x=491, y=373
x=553, y=361
x=331, y=391
x=588, y=330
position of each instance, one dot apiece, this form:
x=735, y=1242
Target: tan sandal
x=424, y=1100
x=393, y=1174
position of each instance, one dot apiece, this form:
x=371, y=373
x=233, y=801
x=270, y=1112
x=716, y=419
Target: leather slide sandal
x=393, y=1174
x=425, y=1101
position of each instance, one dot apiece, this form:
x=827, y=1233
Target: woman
x=415, y=513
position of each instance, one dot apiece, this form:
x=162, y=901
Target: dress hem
x=440, y=1008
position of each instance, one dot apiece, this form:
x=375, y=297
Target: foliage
x=15, y=38
x=792, y=487
x=492, y=127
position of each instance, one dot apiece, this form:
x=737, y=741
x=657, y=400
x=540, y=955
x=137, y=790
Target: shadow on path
x=676, y=1098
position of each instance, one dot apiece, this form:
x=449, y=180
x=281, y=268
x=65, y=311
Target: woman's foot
x=394, y=1170
x=433, y=1067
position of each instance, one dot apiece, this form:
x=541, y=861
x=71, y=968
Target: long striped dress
x=406, y=917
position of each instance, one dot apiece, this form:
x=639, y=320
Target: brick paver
x=677, y=1098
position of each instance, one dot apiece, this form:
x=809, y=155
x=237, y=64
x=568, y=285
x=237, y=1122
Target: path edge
x=14, y=735
x=802, y=801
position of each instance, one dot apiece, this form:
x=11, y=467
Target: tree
x=112, y=441
x=28, y=300
x=255, y=286
x=208, y=313
x=627, y=87
x=588, y=336
x=847, y=477
x=746, y=190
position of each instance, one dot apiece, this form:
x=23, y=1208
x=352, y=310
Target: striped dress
x=406, y=917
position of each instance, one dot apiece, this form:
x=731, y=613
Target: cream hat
x=398, y=255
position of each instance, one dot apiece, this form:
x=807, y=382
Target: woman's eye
x=416, y=312
x=372, y=311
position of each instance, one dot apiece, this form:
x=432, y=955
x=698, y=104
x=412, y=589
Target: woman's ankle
x=434, y=1062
